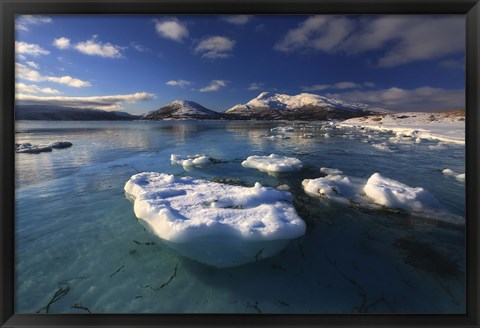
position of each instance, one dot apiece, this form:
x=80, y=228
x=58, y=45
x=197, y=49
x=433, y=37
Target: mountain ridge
x=182, y=110
x=303, y=106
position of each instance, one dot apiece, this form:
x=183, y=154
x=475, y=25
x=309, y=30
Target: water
x=79, y=247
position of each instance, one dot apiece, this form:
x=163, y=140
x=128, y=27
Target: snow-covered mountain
x=304, y=106
x=182, y=110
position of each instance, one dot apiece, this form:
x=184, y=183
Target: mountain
x=183, y=110
x=57, y=113
x=305, y=106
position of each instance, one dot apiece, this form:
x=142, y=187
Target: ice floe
x=385, y=147
x=330, y=171
x=273, y=163
x=377, y=193
x=191, y=160
x=458, y=176
x=214, y=223
x=337, y=187
x=282, y=129
x=30, y=148
x=394, y=194
x=61, y=144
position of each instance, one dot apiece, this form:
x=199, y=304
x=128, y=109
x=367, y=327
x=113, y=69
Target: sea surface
x=80, y=249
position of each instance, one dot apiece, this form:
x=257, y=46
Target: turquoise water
x=79, y=247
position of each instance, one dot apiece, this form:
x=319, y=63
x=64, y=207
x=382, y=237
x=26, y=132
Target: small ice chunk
x=273, y=163
x=277, y=136
x=191, y=160
x=335, y=187
x=61, y=144
x=214, y=223
x=458, y=176
x=282, y=129
x=330, y=171
x=394, y=194
x=307, y=136
x=383, y=147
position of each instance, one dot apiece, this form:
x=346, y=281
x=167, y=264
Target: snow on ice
x=213, y=223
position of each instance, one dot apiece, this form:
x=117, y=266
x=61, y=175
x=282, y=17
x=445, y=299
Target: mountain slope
x=304, y=106
x=36, y=112
x=182, y=110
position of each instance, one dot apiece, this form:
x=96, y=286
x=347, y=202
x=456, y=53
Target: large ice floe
x=394, y=194
x=378, y=192
x=273, y=163
x=191, y=160
x=213, y=223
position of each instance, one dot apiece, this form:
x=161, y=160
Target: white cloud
x=347, y=85
x=96, y=102
x=215, y=85
x=317, y=87
x=400, y=39
x=398, y=99
x=32, y=49
x=22, y=22
x=139, y=47
x=93, y=47
x=172, y=29
x=215, y=47
x=453, y=64
x=178, y=83
x=25, y=73
x=32, y=88
x=255, y=86
x=237, y=19
x=317, y=32
x=338, y=86
x=68, y=80
x=62, y=43
x=32, y=64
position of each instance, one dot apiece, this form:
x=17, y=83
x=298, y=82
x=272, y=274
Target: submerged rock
x=213, y=223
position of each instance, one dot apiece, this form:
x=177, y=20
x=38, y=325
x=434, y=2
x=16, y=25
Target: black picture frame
x=10, y=8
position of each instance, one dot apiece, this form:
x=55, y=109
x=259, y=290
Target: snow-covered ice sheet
x=447, y=127
x=273, y=163
x=213, y=223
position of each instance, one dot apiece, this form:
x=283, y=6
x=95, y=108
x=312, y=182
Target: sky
x=140, y=63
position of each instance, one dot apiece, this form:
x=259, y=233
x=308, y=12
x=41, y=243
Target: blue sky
x=140, y=63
